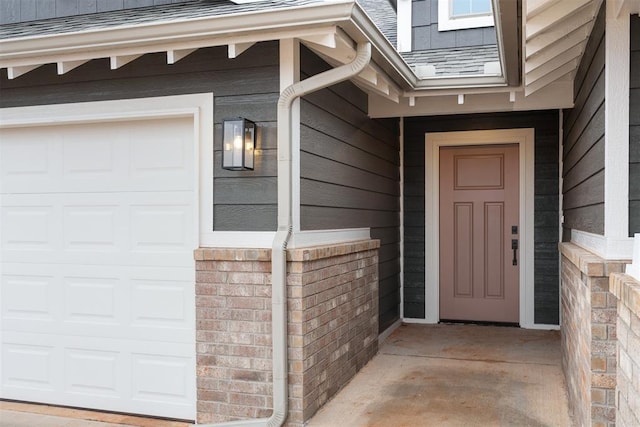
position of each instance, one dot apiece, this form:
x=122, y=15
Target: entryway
x=456, y=375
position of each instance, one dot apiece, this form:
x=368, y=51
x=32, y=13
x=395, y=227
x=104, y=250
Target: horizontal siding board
x=593, y=103
x=634, y=144
x=316, y=193
x=265, y=165
x=590, y=164
x=245, y=191
x=634, y=181
x=586, y=218
x=591, y=134
x=329, y=218
x=634, y=107
x=244, y=217
x=316, y=167
x=634, y=216
x=332, y=148
x=634, y=78
x=342, y=110
x=350, y=133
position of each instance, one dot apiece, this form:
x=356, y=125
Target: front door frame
x=525, y=139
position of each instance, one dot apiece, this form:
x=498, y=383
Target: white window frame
x=446, y=22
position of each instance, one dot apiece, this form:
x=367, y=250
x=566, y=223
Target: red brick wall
x=332, y=324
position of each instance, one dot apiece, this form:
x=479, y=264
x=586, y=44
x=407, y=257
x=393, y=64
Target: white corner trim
x=404, y=13
x=525, y=139
x=446, y=22
x=605, y=247
x=290, y=74
x=237, y=239
x=633, y=269
x=616, y=118
x=303, y=239
x=197, y=106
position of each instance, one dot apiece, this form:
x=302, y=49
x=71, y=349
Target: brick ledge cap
x=232, y=254
x=331, y=250
x=627, y=290
x=589, y=263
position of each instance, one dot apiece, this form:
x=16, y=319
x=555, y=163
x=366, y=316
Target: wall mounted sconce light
x=238, y=144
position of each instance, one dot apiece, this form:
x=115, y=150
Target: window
x=461, y=14
x=464, y=8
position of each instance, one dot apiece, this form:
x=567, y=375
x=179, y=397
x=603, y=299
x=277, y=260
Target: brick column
x=589, y=335
x=627, y=290
x=332, y=323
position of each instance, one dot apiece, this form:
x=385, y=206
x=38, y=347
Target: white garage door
x=98, y=224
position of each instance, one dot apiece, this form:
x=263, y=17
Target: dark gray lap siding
x=350, y=176
x=634, y=129
x=583, y=141
x=247, y=86
x=546, y=202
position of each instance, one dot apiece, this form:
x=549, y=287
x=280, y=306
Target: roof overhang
x=332, y=29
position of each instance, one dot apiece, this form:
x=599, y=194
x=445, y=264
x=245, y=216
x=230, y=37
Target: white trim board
x=525, y=140
x=299, y=239
x=197, y=106
x=605, y=247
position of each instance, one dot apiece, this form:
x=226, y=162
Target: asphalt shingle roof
x=454, y=61
x=384, y=16
x=141, y=15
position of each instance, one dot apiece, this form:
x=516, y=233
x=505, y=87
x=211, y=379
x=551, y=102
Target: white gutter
x=283, y=234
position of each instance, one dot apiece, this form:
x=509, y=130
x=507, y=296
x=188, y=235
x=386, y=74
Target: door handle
x=514, y=246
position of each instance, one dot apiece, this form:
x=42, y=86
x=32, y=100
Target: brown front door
x=479, y=202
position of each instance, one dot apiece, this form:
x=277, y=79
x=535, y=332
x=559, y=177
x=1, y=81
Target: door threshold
x=480, y=323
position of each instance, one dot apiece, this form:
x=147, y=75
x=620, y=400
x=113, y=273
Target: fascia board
x=176, y=31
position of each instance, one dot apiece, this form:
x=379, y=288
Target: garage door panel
x=137, y=303
x=27, y=228
x=136, y=156
x=28, y=366
x=126, y=375
x=100, y=228
x=28, y=160
x=27, y=296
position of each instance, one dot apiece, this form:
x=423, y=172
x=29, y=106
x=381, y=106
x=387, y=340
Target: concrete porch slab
x=456, y=375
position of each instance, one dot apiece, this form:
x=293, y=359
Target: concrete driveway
x=456, y=375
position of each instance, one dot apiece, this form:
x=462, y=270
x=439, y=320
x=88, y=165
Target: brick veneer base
x=627, y=290
x=332, y=325
x=589, y=335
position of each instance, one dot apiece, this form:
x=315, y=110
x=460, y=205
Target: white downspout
x=281, y=239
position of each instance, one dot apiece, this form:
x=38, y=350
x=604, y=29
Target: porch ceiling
x=555, y=35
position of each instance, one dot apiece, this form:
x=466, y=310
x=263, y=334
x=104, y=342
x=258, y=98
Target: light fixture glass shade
x=238, y=144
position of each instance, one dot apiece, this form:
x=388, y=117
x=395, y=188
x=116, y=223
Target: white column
x=616, y=154
x=290, y=74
